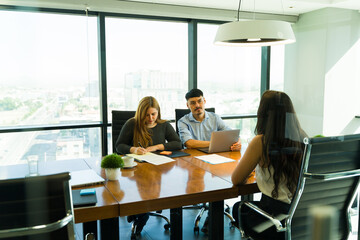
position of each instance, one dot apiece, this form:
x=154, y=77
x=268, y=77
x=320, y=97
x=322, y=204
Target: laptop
x=221, y=141
x=84, y=178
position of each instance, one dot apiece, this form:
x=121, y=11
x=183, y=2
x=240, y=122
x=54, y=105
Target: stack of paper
x=214, y=159
x=152, y=158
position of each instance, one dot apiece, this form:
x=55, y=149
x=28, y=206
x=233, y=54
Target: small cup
x=33, y=162
x=128, y=161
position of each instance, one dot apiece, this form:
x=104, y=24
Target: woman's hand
x=138, y=150
x=236, y=146
x=155, y=148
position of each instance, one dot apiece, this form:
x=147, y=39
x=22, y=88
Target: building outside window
x=146, y=58
x=49, y=76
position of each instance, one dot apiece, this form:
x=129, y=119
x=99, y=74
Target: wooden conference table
x=146, y=187
x=186, y=181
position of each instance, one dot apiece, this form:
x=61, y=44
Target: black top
x=162, y=133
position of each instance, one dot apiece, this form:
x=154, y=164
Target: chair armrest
x=24, y=231
x=333, y=176
x=276, y=222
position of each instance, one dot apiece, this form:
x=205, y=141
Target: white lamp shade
x=254, y=33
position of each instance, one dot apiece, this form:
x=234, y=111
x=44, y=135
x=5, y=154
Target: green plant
x=112, y=161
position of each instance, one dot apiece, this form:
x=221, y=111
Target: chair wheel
x=167, y=226
x=196, y=230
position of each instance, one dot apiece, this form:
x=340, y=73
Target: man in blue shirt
x=195, y=128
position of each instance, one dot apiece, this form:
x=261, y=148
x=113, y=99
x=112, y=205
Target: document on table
x=152, y=158
x=214, y=159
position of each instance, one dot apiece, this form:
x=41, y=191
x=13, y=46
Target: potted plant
x=112, y=164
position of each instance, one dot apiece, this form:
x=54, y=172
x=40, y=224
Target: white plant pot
x=112, y=173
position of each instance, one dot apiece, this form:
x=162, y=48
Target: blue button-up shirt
x=190, y=128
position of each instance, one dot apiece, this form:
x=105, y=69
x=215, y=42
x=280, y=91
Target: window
x=49, y=76
x=49, y=69
x=277, y=58
x=146, y=58
x=228, y=76
x=246, y=126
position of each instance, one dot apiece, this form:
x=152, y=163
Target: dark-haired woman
x=275, y=153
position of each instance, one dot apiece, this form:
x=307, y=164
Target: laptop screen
x=86, y=177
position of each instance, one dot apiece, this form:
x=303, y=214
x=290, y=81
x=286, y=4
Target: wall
x=322, y=71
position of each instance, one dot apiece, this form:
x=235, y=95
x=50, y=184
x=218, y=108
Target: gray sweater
x=162, y=133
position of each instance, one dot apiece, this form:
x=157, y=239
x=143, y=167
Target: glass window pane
x=49, y=69
x=109, y=139
x=146, y=58
x=49, y=145
x=246, y=126
x=228, y=76
x=277, y=67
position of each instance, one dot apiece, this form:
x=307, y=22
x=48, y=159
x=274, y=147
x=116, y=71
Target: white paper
x=214, y=159
x=152, y=158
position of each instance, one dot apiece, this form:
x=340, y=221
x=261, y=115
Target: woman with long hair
x=146, y=132
x=275, y=153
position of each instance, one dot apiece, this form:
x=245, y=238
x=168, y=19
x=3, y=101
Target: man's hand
x=236, y=146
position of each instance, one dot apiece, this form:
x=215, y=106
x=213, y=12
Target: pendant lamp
x=248, y=33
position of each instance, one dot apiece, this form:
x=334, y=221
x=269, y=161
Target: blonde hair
x=142, y=134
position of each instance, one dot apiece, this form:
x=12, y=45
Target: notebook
x=221, y=141
x=81, y=201
x=175, y=154
x=86, y=177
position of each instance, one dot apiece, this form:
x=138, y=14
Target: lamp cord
x=238, y=13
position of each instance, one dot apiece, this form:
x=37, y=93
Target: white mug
x=128, y=161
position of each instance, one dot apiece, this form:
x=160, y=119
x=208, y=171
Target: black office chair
x=179, y=113
x=36, y=208
x=119, y=118
x=329, y=175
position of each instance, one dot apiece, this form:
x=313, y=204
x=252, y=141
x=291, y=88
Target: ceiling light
x=254, y=33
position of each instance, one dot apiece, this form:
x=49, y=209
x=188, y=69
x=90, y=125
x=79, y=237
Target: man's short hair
x=194, y=93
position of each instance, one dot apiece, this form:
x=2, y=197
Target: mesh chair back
x=34, y=201
x=324, y=156
x=119, y=118
x=179, y=113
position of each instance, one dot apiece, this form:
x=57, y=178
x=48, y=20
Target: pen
x=138, y=160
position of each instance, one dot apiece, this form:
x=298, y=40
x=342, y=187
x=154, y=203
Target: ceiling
x=289, y=7
x=281, y=7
